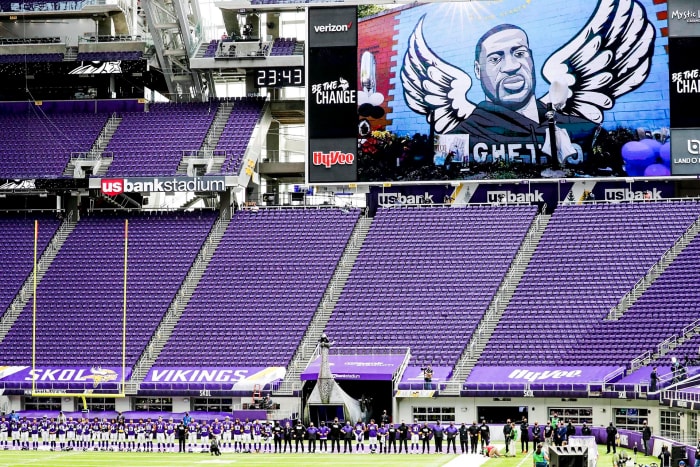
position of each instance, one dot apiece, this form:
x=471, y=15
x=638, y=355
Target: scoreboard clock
x=278, y=77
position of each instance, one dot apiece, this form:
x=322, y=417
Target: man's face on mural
x=505, y=69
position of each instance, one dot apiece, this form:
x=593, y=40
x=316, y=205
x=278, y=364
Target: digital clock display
x=279, y=77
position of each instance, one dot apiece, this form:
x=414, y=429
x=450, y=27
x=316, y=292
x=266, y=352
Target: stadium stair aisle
x=306, y=348
x=498, y=305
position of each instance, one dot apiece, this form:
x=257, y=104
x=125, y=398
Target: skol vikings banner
x=467, y=90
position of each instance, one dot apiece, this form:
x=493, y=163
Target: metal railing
x=666, y=345
x=643, y=283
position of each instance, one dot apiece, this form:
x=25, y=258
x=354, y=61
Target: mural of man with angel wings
x=609, y=57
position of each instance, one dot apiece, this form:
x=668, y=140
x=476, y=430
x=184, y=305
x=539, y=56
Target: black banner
x=684, y=70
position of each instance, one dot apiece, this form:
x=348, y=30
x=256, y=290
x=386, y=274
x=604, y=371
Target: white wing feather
x=608, y=58
x=433, y=87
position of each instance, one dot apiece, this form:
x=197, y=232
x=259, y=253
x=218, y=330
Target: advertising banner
x=332, y=27
x=684, y=71
x=332, y=160
x=683, y=18
x=92, y=375
x=332, y=95
x=449, y=93
x=685, y=159
x=240, y=378
x=357, y=367
x=540, y=374
x=116, y=186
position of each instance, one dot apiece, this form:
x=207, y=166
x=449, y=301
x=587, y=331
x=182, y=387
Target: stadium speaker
x=677, y=455
x=568, y=456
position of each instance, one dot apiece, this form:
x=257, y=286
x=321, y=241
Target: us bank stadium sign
x=116, y=186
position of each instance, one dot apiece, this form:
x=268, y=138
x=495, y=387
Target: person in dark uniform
x=403, y=436
x=485, y=433
x=298, y=432
x=464, y=438
x=391, y=436
x=335, y=434
x=181, y=434
x=611, y=433
x=646, y=436
x=288, y=432
x=524, y=436
x=474, y=436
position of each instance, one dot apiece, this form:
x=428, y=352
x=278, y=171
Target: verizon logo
x=333, y=28
x=329, y=159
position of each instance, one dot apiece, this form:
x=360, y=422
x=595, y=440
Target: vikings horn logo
x=100, y=375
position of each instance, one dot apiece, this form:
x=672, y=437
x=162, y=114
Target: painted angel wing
x=608, y=58
x=433, y=87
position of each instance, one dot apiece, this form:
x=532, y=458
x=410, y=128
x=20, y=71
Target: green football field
x=115, y=459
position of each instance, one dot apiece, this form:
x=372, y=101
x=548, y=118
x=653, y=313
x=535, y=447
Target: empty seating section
x=152, y=143
x=283, y=46
x=425, y=276
x=80, y=299
x=17, y=252
x=211, y=48
x=237, y=132
x=40, y=145
x=588, y=258
x=261, y=289
x=31, y=58
x=665, y=308
x=109, y=56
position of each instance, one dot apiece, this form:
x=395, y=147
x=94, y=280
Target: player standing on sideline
x=247, y=435
x=204, y=435
x=35, y=434
x=372, y=434
x=113, y=428
x=53, y=429
x=14, y=433
x=96, y=434
x=70, y=432
x=226, y=428
x=131, y=436
x=121, y=435
x=192, y=429
x=24, y=434
x=4, y=430
x=104, y=435
x=237, y=436
x=347, y=437
x=415, y=436
x=267, y=436
x=257, y=436
x=359, y=436
x=323, y=432
x=160, y=434
x=170, y=429
x=44, y=432
x=141, y=435
x=381, y=437
x=62, y=435
x=216, y=430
